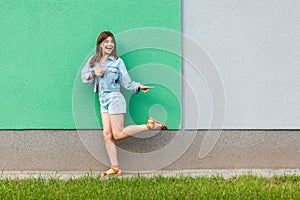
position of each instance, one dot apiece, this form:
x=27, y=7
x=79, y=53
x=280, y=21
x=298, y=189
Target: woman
x=108, y=72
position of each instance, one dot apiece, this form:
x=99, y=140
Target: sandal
x=154, y=124
x=113, y=171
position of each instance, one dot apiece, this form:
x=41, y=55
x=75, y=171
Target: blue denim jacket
x=111, y=80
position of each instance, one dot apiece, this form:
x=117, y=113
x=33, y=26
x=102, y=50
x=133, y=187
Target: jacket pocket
x=114, y=75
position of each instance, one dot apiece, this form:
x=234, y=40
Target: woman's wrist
x=92, y=75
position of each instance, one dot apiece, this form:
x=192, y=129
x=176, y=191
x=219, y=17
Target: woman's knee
x=118, y=135
x=107, y=135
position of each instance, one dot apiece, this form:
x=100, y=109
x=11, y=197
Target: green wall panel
x=45, y=43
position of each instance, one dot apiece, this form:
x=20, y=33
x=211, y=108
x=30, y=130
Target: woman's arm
x=125, y=80
x=88, y=73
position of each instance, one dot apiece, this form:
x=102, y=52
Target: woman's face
x=107, y=46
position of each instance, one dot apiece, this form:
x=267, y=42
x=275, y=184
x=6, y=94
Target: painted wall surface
x=44, y=44
x=255, y=46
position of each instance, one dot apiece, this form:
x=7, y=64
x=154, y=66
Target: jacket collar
x=111, y=58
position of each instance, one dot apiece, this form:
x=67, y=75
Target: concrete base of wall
x=73, y=150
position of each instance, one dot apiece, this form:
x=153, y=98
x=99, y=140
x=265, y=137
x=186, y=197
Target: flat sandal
x=113, y=171
x=151, y=124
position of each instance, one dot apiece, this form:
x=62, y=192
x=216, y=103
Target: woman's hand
x=145, y=88
x=99, y=72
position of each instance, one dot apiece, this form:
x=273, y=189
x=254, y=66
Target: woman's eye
x=107, y=41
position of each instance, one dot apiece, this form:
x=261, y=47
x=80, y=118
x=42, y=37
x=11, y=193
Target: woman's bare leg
x=118, y=130
x=108, y=138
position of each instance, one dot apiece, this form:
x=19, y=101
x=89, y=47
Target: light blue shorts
x=112, y=102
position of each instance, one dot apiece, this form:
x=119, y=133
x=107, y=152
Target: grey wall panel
x=255, y=46
x=61, y=150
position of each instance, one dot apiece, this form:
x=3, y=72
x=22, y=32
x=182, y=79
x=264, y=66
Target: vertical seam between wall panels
x=181, y=67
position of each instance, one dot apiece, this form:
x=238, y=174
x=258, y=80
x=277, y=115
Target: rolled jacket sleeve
x=86, y=72
x=125, y=80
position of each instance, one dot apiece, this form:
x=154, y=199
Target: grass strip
x=91, y=187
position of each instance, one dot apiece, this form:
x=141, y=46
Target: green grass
x=91, y=187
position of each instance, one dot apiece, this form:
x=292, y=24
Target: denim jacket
x=111, y=80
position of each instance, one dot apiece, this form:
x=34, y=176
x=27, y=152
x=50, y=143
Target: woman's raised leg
x=118, y=130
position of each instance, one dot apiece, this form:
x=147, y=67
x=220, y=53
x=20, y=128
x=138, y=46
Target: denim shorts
x=112, y=102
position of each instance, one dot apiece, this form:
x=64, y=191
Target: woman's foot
x=153, y=124
x=113, y=171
